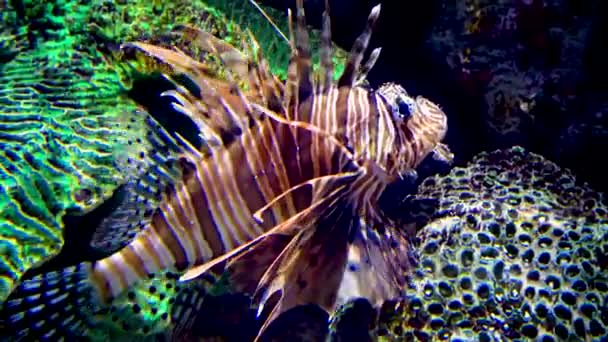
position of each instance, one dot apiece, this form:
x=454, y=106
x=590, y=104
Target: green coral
x=516, y=249
x=152, y=307
x=65, y=122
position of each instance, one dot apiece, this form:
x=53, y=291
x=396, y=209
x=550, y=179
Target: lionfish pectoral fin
x=310, y=269
x=282, y=229
x=198, y=270
x=288, y=227
x=314, y=184
x=245, y=270
x=379, y=264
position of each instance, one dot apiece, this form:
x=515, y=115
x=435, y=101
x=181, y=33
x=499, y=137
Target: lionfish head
x=420, y=126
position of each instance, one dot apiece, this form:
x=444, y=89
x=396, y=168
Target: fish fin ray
x=326, y=50
x=367, y=67
x=303, y=54
x=288, y=227
x=52, y=305
x=211, y=106
x=379, y=265
x=353, y=64
x=318, y=251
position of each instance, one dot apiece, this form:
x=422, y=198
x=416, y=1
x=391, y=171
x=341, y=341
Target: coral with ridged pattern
x=65, y=124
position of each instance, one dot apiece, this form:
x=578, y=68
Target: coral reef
x=64, y=125
x=353, y=321
x=514, y=248
x=160, y=306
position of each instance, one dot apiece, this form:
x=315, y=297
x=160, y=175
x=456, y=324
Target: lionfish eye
x=406, y=107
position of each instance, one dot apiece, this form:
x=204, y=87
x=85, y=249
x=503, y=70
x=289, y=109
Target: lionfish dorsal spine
x=269, y=87
x=368, y=66
x=326, y=50
x=291, y=100
x=358, y=50
x=303, y=59
x=269, y=19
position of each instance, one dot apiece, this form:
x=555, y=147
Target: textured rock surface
x=516, y=248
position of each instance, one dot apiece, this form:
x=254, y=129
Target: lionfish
x=285, y=190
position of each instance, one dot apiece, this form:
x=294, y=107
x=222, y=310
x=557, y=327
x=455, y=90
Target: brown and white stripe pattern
x=273, y=139
x=211, y=211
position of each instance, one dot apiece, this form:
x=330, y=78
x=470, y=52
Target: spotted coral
x=516, y=248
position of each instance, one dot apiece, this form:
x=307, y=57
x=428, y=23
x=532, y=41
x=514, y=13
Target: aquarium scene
x=304, y=170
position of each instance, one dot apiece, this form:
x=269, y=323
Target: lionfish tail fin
x=51, y=305
x=353, y=64
x=380, y=261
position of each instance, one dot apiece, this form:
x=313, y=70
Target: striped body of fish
x=278, y=194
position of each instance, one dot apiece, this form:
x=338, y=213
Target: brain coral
x=516, y=248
